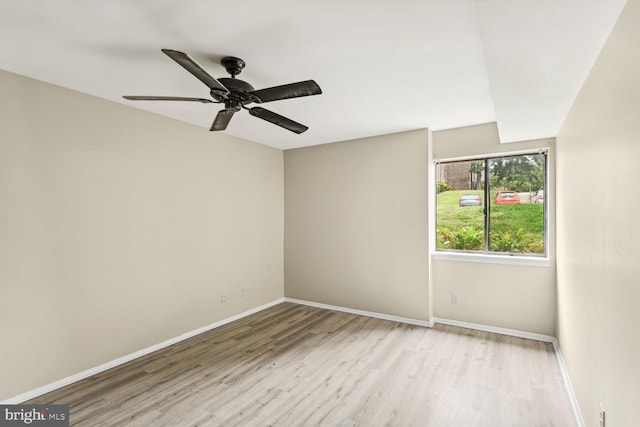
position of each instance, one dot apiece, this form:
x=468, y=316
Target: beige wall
x=520, y=297
x=499, y=295
x=479, y=140
x=120, y=229
x=598, y=180
x=356, y=224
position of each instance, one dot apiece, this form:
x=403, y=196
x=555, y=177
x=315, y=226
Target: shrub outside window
x=492, y=205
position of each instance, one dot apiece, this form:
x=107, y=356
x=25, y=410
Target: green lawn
x=514, y=228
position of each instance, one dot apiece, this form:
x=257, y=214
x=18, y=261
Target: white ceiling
x=384, y=66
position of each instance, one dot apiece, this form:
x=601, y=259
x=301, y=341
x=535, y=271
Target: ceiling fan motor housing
x=239, y=93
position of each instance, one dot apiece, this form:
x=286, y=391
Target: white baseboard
x=129, y=357
x=400, y=319
x=495, y=329
x=566, y=379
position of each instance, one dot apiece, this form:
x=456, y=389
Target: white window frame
x=500, y=258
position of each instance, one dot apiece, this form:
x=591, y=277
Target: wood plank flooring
x=294, y=365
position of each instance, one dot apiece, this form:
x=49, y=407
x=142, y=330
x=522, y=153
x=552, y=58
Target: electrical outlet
x=223, y=297
x=455, y=297
x=602, y=416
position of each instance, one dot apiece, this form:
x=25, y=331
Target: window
x=492, y=205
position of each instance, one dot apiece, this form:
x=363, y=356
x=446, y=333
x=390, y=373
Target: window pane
x=460, y=206
x=516, y=215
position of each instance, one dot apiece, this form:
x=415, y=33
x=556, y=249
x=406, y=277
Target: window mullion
x=487, y=205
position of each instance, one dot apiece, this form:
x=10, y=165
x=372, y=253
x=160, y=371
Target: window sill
x=491, y=259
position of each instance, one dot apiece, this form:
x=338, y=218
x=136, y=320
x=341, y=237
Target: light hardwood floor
x=293, y=365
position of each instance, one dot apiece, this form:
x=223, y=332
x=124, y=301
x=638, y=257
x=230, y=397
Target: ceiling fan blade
x=292, y=90
x=222, y=120
x=191, y=66
x=166, y=98
x=277, y=119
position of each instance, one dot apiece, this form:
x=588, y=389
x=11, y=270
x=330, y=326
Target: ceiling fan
x=235, y=94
